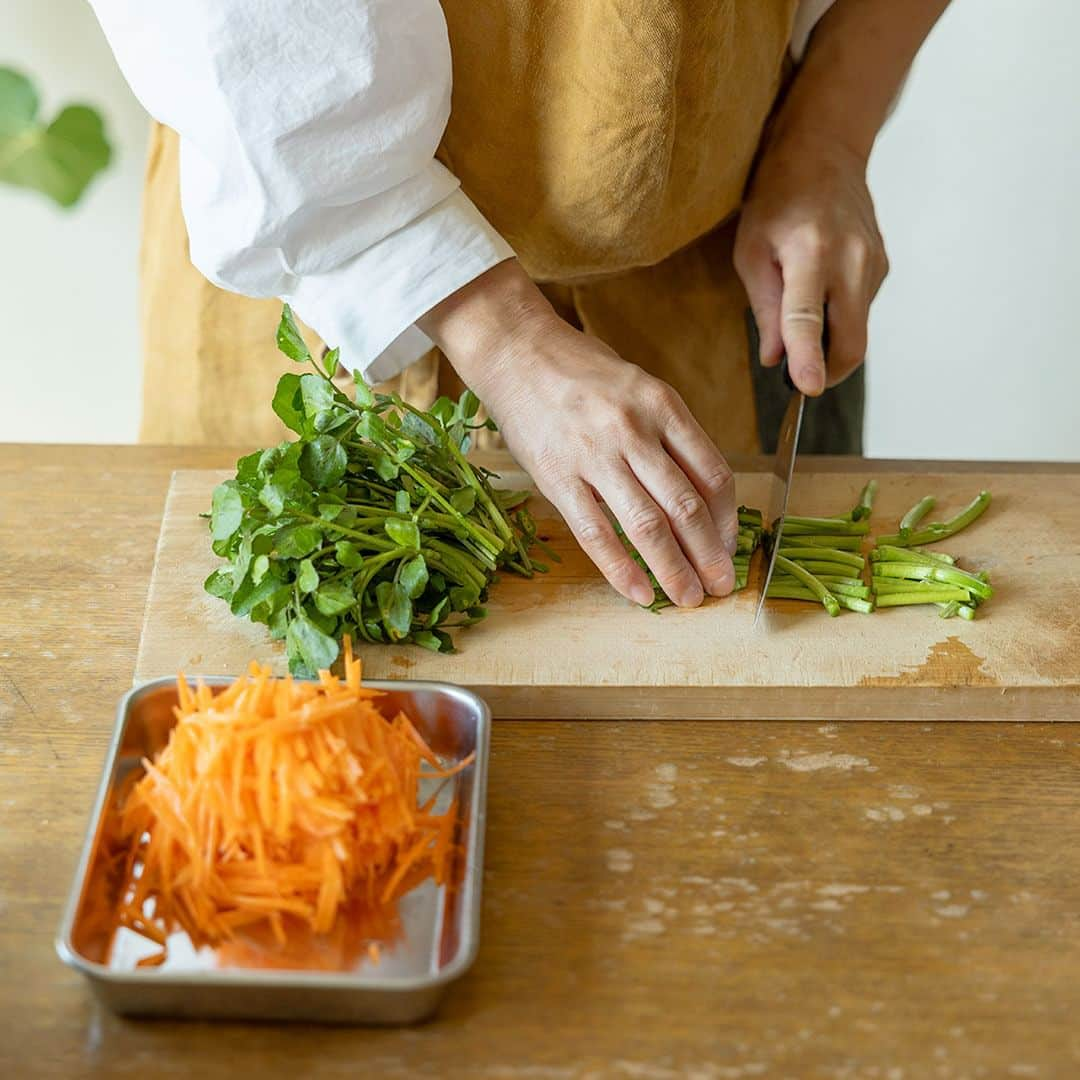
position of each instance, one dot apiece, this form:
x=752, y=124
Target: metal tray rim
x=263, y=978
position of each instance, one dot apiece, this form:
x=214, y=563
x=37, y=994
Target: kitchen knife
x=783, y=467
x=787, y=448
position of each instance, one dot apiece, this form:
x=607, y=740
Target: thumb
x=802, y=322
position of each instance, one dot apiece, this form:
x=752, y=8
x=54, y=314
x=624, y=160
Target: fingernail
x=815, y=381
x=692, y=597
x=642, y=594
x=721, y=583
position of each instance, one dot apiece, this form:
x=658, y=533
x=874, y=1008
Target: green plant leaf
x=469, y=405
x=395, y=608
x=334, y=597
x=401, y=502
x=289, y=339
x=305, y=642
x=59, y=159
x=385, y=466
x=427, y=640
x=414, y=576
x=316, y=394
x=348, y=555
x=463, y=597
x=330, y=361
x=404, y=533
x=226, y=510
x=443, y=411
x=287, y=402
x=417, y=428
x=259, y=568
x=220, y=584
x=250, y=595
x=308, y=578
x=323, y=462
x=296, y=541
x=364, y=397
x=463, y=499
x=373, y=428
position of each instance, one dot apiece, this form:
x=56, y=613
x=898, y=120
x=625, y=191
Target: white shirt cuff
x=368, y=306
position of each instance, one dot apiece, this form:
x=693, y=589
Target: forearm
x=856, y=62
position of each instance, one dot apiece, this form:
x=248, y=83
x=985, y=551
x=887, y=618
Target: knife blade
x=787, y=448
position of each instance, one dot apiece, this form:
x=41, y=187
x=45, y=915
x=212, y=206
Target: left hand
x=808, y=236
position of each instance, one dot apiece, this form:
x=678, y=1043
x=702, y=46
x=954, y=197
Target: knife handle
x=824, y=349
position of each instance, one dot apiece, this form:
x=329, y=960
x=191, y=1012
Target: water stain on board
x=948, y=663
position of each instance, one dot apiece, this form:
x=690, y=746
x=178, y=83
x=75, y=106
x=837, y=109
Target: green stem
x=830, y=555
x=866, y=501
x=811, y=582
x=931, y=534
x=905, y=599
x=948, y=575
x=797, y=592
x=917, y=513
x=888, y=553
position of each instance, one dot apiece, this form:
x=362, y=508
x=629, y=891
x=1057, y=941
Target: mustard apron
x=610, y=144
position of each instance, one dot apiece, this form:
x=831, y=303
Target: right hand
x=588, y=426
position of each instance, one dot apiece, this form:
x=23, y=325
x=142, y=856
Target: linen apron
x=609, y=141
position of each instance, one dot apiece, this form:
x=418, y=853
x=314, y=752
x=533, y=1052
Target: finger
x=849, y=313
x=646, y=524
x=689, y=517
x=802, y=318
x=696, y=455
x=592, y=530
x=851, y=292
x=764, y=286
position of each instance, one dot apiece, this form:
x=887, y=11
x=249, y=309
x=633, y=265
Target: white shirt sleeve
x=307, y=170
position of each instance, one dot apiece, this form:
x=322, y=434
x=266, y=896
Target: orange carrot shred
x=277, y=811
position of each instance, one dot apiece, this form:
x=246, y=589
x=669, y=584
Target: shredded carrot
x=279, y=811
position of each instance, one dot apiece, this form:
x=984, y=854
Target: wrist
x=482, y=325
x=808, y=128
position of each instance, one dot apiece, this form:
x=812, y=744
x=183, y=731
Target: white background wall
x=973, y=340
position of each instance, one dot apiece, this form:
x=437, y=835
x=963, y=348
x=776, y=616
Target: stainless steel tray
x=441, y=926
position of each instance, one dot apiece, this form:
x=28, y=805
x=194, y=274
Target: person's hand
x=589, y=426
x=808, y=237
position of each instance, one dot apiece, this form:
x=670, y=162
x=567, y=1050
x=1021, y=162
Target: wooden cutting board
x=566, y=645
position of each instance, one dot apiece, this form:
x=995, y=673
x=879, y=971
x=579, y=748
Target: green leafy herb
x=372, y=523
x=58, y=159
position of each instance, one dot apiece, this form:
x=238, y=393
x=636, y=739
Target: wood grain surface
x=564, y=644
x=715, y=900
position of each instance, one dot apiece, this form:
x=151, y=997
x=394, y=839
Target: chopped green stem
x=909, y=597
x=817, y=567
x=916, y=514
x=888, y=553
x=866, y=501
x=840, y=543
x=830, y=526
x=800, y=553
x=936, y=531
x=948, y=575
x=888, y=587
x=837, y=588
x=809, y=581
x=798, y=592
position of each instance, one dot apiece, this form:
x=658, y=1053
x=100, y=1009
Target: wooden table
x=707, y=900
